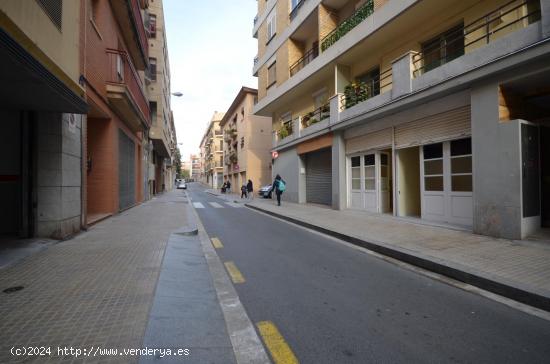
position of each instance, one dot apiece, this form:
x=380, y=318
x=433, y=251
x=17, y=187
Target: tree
x=177, y=161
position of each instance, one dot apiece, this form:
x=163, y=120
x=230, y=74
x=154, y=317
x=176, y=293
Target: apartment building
x=430, y=110
x=162, y=132
x=247, y=142
x=42, y=107
x=115, y=54
x=212, y=153
x=195, y=167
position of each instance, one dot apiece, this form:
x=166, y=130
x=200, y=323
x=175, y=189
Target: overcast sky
x=211, y=52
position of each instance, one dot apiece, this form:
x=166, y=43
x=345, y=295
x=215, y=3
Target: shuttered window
x=54, y=10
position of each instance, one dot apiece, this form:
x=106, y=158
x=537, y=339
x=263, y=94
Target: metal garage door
x=319, y=177
x=126, y=171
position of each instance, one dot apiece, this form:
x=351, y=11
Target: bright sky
x=211, y=52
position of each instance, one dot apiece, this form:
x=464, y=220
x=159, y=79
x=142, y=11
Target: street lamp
x=177, y=94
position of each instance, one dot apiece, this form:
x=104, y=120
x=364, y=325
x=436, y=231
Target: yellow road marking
x=276, y=344
x=217, y=243
x=234, y=272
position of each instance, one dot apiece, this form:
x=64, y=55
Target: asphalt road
x=336, y=304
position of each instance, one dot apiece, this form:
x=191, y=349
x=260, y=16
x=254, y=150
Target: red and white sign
x=274, y=155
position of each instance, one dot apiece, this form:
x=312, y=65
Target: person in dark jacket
x=243, y=191
x=250, y=189
x=277, y=188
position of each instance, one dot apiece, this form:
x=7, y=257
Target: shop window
x=370, y=172
x=461, y=165
x=433, y=167
x=356, y=173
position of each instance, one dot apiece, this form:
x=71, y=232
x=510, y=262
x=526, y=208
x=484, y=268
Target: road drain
x=13, y=289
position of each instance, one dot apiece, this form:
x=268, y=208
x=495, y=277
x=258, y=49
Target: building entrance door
x=371, y=182
x=446, y=182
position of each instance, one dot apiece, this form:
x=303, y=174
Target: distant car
x=180, y=184
x=265, y=191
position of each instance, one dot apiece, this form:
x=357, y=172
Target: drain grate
x=13, y=289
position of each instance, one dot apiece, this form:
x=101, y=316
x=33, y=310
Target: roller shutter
x=378, y=139
x=451, y=124
x=126, y=171
x=319, y=177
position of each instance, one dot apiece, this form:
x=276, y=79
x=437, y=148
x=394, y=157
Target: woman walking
x=279, y=186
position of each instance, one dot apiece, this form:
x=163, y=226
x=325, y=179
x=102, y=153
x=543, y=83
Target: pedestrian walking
x=279, y=186
x=243, y=191
x=228, y=187
x=250, y=189
x=224, y=187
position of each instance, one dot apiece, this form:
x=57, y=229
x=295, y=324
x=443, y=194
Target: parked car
x=265, y=191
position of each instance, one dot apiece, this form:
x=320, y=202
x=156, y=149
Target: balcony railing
x=358, y=92
x=285, y=130
x=316, y=116
x=295, y=10
x=142, y=36
x=516, y=13
x=256, y=59
x=255, y=19
x=123, y=73
x=347, y=25
x=305, y=60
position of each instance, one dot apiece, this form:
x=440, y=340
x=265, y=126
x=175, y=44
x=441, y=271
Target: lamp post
x=177, y=94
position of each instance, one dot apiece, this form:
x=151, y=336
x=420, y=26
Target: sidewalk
x=97, y=291
x=519, y=270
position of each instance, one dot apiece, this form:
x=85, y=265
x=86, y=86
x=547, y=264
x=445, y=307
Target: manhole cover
x=13, y=289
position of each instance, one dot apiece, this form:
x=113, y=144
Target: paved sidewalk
x=516, y=269
x=95, y=290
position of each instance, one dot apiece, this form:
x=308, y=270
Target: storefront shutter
x=378, y=139
x=319, y=177
x=451, y=124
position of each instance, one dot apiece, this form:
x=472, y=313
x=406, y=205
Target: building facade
x=247, y=142
x=42, y=109
x=162, y=132
x=386, y=106
x=115, y=53
x=212, y=153
x=195, y=167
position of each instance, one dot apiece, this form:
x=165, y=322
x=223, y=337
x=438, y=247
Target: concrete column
x=342, y=78
x=545, y=17
x=496, y=167
x=339, y=187
x=335, y=108
x=402, y=74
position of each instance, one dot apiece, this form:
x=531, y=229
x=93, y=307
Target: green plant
x=361, y=14
x=357, y=92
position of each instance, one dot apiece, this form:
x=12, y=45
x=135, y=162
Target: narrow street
x=336, y=304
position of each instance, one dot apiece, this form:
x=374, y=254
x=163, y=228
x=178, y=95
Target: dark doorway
x=545, y=172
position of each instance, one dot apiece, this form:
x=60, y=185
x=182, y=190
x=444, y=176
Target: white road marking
x=233, y=204
x=216, y=205
x=198, y=205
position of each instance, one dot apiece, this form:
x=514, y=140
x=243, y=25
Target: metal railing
x=347, y=25
x=316, y=116
x=256, y=59
x=483, y=29
x=285, y=130
x=305, y=60
x=255, y=20
x=358, y=92
x=295, y=9
x=122, y=72
x=140, y=25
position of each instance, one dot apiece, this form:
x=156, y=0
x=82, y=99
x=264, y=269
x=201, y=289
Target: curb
x=477, y=279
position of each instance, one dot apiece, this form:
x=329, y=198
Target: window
x=355, y=173
x=54, y=10
x=152, y=26
x=271, y=25
x=221, y=145
x=461, y=165
x=153, y=111
x=443, y=48
x=433, y=167
x=272, y=74
x=370, y=172
x=153, y=69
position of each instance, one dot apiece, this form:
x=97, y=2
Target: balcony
x=128, y=14
x=125, y=91
x=463, y=39
x=363, y=90
x=347, y=25
x=304, y=61
x=315, y=116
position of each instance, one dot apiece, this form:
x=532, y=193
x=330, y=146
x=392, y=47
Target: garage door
x=319, y=177
x=126, y=171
